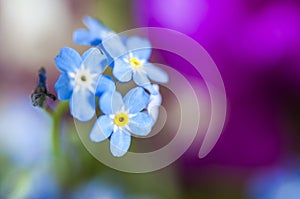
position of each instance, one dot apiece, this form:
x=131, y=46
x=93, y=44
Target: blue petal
x=95, y=41
x=155, y=73
x=94, y=36
x=110, y=60
x=136, y=100
x=83, y=37
x=82, y=105
x=141, y=48
x=140, y=124
x=94, y=60
x=105, y=84
x=140, y=78
x=114, y=46
x=92, y=23
x=120, y=142
x=111, y=103
x=96, y=27
x=122, y=70
x=102, y=129
x=68, y=60
x=153, y=112
x=63, y=87
x=154, y=103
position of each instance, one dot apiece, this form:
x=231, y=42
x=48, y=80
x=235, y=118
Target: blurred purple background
x=256, y=46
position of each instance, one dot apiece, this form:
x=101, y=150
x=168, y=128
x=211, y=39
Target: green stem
x=56, y=116
x=55, y=135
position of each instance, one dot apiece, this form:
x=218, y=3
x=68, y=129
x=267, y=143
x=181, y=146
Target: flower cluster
x=83, y=80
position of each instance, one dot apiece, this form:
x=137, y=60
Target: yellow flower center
x=121, y=119
x=135, y=62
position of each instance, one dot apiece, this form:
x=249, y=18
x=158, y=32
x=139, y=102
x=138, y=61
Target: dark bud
x=38, y=97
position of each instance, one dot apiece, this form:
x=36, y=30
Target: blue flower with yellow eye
x=122, y=117
x=81, y=80
x=131, y=61
x=95, y=34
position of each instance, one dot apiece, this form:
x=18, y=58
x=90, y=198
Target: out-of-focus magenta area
x=256, y=47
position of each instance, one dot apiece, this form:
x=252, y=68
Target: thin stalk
x=56, y=117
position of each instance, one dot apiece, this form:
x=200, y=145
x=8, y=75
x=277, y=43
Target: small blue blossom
x=131, y=61
x=95, y=34
x=122, y=117
x=81, y=79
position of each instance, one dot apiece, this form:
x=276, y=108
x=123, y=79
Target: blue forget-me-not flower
x=95, y=34
x=131, y=61
x=122, y=116
x=81, y=79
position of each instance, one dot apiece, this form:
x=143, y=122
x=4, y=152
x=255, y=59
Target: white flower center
x=84, y=79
